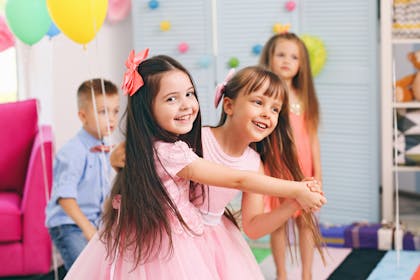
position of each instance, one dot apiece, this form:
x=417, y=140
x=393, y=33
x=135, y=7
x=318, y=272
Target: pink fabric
x=19, y=122
x=6, y=37
x=191, y=257
x=32, y=253
x=10, y=217
x=231, y=252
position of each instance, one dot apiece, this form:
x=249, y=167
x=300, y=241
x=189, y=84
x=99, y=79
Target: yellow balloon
x=79, y=20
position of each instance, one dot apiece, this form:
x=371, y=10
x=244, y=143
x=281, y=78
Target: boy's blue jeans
x=69, y=241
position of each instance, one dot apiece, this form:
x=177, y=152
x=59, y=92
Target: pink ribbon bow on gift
x=132, y=79
x=220, y=87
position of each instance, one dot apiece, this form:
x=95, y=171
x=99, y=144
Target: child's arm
x=316, y=157
x=209, y=173
x=72, y=209
x=69, y=168
x=117, y=157
x=255, y=222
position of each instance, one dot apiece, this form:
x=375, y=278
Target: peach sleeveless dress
x=304, y=153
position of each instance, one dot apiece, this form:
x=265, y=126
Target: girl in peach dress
x=286, y=55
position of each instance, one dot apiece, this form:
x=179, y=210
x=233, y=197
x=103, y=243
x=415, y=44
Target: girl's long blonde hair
x=302, y=82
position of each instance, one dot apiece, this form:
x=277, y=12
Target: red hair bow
x=132, y=79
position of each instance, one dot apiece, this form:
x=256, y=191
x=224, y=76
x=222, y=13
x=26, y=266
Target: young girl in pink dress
x=255, y=116
x=286, y=55
x=253, y=102
x=151, y=230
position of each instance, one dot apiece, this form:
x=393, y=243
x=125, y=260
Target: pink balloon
x=183, y=47
x=290, y=5
x=6, y=37
x=118, y=10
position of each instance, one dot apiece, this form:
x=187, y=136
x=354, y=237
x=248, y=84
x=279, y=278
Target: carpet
x=347, y=264
x=333, y=256
x=388, y=268
x=357, y=265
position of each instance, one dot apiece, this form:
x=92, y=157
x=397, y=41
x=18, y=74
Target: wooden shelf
x=402, y=168
x=406, y=40
x=411, y=104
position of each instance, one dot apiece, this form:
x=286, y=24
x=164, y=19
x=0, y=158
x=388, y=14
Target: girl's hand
x=117, y=157
x=313, y=185
x=310, y=200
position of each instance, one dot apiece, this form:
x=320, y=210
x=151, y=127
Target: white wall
x=52, y=70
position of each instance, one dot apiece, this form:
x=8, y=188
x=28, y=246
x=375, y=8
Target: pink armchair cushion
x=18, y=126
x=10, y=217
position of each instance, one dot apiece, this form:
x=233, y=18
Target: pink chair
x=25, y=245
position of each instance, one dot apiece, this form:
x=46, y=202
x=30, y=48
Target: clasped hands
x=317, y=199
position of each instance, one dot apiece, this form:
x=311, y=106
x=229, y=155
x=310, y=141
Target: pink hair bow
x=220, y=87
x=132, y=79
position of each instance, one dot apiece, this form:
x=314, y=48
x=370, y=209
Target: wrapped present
x=362, y=235
x=388, y=239
x=385, y=237
x=333, y=236
x=416, y=242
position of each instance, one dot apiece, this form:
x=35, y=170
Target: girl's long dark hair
x=277, y=151
x=143, y=224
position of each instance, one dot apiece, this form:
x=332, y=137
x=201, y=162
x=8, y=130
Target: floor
x=409, y=216
x=333, y=258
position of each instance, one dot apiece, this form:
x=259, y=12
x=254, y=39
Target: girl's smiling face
x=175, y=106
x=256, y=113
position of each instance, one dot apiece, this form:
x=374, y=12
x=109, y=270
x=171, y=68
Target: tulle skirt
x=232, y=254
x=191, y=258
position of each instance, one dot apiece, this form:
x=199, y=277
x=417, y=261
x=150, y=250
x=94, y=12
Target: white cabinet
x=389, y=107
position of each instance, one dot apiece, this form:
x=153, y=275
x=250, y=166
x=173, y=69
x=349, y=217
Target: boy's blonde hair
x=84, y=92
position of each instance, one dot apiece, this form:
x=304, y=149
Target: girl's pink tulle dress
x=232, y=255
x=191, y=257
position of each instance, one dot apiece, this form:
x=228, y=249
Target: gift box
x=388, y=240
x=333, y=236
x=411, y=241
x=361, y=235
